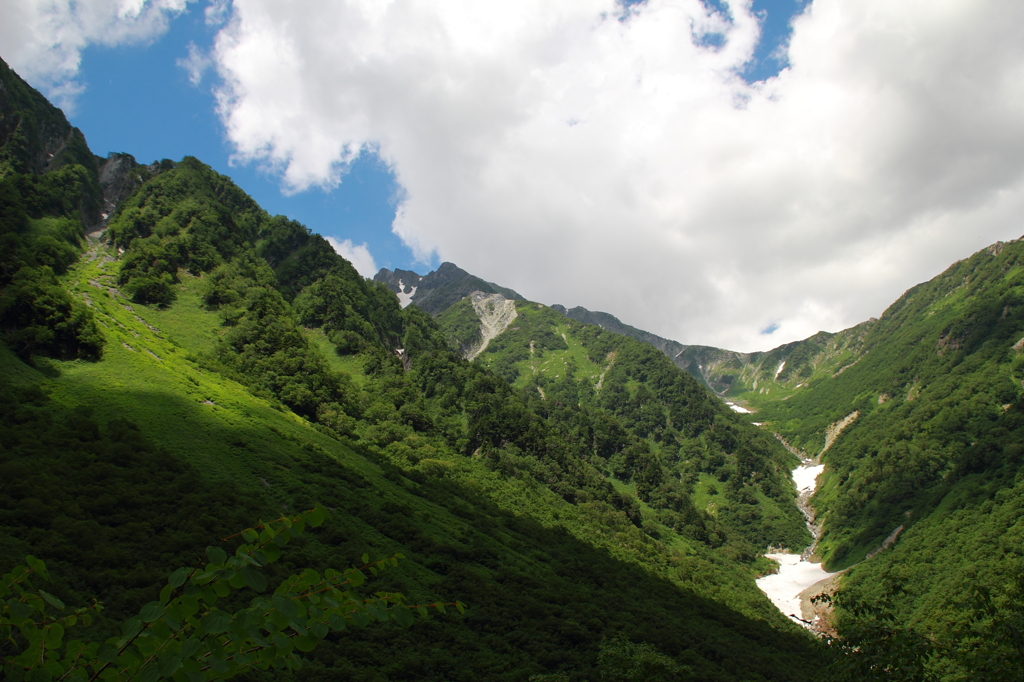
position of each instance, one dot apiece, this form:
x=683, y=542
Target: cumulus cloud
x=620, y=163
x=43, y=39
x=357, y=254
x=588, y=155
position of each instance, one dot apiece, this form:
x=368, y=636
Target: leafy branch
x=183, y=635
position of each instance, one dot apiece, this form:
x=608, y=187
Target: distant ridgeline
x=177, y=364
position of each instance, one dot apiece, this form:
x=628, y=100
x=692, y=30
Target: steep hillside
x=922, y=440
x=690, y=460
x=207, y=365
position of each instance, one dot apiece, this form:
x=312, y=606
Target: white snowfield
x=405, y=299
x=795, y=574
x=806, y=477
x=737, y=408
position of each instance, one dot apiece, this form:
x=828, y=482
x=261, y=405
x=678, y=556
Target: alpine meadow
x=224, y=453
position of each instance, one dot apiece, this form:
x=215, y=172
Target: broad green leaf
x=317, y=516
x=216, y=555
x=150, y=673
x=366, y=558
x=282, y=538
x=53, y=668
x=250, y=535
x=51, y=600
x=165, y=594
x=219, y=665
x=169, y=665
x=53, y=635
x=216, y=622
x=254, y=579
x=131, y=627
x=286, y=606
x=319, y=629
x=178, y=578
x=151, y=611
x=305, y=643
x=403, y=616
x=337, y=622
x=189, y=647
x=107, y=653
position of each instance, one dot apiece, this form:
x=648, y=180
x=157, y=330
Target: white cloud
x=43, y=39
x=357, y=254
x=216, y=12
x=580, y=159
x=196, y=64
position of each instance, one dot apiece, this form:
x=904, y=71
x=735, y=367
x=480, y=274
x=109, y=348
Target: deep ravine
x=796, y=572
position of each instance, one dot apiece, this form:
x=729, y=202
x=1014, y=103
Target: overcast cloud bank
x=586, y=157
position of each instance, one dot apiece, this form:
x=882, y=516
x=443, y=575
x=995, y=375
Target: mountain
x=200, y=366
x=679, y=444
x=918, y=418
x=203, y=365
x=437, y=290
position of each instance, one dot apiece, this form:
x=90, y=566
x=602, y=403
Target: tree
x=183, y=635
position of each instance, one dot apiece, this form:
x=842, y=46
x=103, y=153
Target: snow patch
x=737, y=408
x=806, y=476
x=795, y=575
x=779, y=370
x=404, y=299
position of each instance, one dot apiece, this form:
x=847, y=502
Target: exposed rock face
x=496, y=313
x=120, y=175
x=440, y=289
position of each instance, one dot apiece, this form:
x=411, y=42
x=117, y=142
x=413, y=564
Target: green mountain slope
x=922, y=436
x=208, y=365
x=690, y=460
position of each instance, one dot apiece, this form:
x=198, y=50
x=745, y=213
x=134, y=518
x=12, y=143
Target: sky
x=729, y=173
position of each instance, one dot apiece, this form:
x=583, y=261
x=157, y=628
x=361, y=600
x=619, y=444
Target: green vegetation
x=641, y=421
x=184, y=635
x=930, y=458
x=602, y=515
x=248, y=371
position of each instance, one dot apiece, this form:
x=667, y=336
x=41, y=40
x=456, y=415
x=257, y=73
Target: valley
x=604, y=503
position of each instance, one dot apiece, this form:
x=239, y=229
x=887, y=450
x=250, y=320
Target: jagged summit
x=440, y=289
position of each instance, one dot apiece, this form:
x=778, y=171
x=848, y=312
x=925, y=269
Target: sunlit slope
x=521, y=556
x=660, y=435
x=933, y=401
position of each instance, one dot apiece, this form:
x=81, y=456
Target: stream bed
x=796, y=574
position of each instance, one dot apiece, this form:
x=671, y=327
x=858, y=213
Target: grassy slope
x=497, y=543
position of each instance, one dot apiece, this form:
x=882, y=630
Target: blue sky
x=713, y=190
x=138, y=99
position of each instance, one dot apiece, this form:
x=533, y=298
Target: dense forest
x=183, y=375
